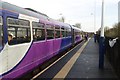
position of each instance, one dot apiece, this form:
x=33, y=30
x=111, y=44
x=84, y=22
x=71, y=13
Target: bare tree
x=78, y=25
x=106, y=28
x=62, y=19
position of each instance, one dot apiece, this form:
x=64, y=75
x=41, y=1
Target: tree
x=112, y=32
x=62, y=19
x=106, y=28
x=78, y=25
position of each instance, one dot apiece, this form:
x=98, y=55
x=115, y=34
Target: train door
x=49, y=40
x=57, y=41
x=73, y=36
x=3, y=50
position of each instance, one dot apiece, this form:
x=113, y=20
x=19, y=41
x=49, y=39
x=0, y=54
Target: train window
x=1, y=34
x=18, y=22
x=18, y=31
x=68, y=32
x=57, y=32
x=38, y=31
x=12, y=31
x=1, y=22
x=77, y=33
x=37, y=25
x=38, y=34
x=50, y=32
x=63, y=31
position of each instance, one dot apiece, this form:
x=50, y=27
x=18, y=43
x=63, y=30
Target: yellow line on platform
x=64, y=71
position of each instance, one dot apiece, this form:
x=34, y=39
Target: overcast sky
x=75, y=11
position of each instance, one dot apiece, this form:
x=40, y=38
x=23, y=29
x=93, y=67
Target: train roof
x=16, y=9
x=61, y=24
x=75, y=28
x=31, y=12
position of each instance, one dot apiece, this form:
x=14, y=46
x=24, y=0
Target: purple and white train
x=35, y=38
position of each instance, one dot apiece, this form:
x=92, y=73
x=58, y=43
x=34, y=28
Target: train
x=28, y=38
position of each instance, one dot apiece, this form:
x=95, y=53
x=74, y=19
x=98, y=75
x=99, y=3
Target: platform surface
x=87, y=65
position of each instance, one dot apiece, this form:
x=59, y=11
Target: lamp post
x=95, y=17
x=102, y=39
x=102, y=20
x=95, y=36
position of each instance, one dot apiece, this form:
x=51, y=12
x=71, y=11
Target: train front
x=1, y=41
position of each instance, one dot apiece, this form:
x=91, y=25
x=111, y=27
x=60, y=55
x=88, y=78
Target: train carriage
x=28, y=38
x=76, y=35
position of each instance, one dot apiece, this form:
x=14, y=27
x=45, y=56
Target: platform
x=81, y=63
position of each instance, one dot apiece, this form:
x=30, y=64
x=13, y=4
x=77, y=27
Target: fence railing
x=113, y=54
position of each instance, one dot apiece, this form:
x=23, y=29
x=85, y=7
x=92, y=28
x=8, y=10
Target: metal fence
x=113, y=54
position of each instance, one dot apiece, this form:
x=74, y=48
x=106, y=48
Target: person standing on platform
x=95, y=38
